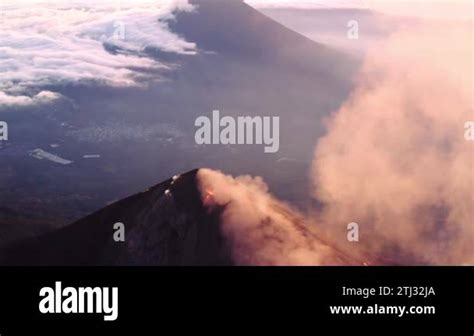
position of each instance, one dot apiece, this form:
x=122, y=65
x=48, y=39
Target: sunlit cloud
x=59, y=42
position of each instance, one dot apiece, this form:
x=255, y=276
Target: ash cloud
x=259, y=229
x=394, y=159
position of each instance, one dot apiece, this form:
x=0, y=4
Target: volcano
x=172, y=223
x=165, y=225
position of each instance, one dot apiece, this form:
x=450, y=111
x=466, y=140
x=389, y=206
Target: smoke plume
x=395, y=160
x=261, y=230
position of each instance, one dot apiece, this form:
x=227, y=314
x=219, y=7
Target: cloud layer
x=41, y=97
x=56, y=42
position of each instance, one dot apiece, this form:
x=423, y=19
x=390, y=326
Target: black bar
x=169, y=300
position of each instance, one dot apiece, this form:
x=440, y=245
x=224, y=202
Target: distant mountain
x=235, y=29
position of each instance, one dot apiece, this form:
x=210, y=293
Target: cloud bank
x=42, y=97
x=57, y=42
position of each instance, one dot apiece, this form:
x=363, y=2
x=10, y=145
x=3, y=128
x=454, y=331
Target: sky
x=452, y=9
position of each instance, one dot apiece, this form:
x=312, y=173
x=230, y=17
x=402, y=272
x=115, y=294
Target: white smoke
x=261, y=230
x=395, y=159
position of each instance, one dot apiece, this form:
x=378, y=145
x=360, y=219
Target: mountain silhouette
x=165, y=225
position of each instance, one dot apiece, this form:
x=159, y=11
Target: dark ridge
x=161, y=229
